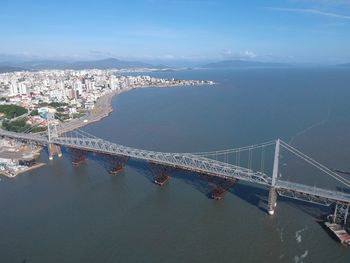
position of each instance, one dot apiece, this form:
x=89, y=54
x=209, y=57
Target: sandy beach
x=103, y=108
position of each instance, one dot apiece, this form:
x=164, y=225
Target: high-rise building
x=78, y=86
x=22, y=88
x=89, y=85
x=13, y=89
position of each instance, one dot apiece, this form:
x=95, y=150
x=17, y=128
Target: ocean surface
x=61, y=213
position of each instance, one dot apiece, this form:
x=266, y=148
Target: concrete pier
x=272, y=201
x=54, y=149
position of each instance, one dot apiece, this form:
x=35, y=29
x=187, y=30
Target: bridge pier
x=161, y=179
x=117, y=164
x=160, y=173
x=54, y=149
x=78, y=156
x=222, y=187
x=272, y=201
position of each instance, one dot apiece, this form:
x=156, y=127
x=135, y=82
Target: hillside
x=242, y=64
x=4, y=69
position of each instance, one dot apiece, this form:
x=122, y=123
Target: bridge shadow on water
x=197, y=181
x=256, y=196
x=108, y=162
x=152, y=171
x=314, y=210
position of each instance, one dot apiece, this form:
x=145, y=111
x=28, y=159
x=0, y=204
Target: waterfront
x=77, y=98
x=66, y=214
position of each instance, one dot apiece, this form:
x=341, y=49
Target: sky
x=297, y=31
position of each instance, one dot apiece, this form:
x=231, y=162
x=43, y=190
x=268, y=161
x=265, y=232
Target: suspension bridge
x=227, y=165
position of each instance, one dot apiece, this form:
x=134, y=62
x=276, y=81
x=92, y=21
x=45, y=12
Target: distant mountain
x=242, y=64
x=108, y=63
x=347, y=65
x=4, y=69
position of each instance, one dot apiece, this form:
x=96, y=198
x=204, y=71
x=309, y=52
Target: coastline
x=22, y=170
x=103, y=107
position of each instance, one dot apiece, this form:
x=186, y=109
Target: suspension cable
x=262, y=161
x=315, y=164
x=234, y=150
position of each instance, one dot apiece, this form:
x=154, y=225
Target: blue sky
x=316, y=31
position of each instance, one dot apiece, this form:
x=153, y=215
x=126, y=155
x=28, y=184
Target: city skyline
x=293, y=31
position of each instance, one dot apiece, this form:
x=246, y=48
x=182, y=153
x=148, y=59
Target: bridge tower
x=341, y=214
x=272, y=201
x=52, y=134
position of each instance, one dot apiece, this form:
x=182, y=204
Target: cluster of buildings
x=17, y=157
x=67, y=92
x=12, y=167
x=77, y=89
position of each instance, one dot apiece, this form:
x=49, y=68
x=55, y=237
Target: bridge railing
x=334, y=196
x=197, y=163
x=184, y=161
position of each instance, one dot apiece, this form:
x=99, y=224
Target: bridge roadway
x=191, y=162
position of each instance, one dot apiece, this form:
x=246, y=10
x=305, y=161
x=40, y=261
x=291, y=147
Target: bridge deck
x=179, y=160
x=193, y=163
x=311, y=194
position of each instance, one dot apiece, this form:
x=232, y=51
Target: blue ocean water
x=61, y=213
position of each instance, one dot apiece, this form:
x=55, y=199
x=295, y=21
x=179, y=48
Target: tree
x=34, y=113
x=58, y=104
x=12, y=111
x=18, y=125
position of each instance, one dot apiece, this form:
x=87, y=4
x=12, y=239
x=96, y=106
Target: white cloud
x=328, y=3
x=247, y=54
x=310, y=11
x=167, y=56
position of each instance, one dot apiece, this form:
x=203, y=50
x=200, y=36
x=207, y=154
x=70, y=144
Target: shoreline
x=22, y=171
x=103, y=107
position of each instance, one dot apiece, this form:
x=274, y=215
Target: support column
x=160, y=172
x=54, y=149
x=52, y=134
x=341, y=214
x=78, y=156
x=346, y=215
x=221, y=187
x=59, y=151
x=117, y=164
x=272, y=201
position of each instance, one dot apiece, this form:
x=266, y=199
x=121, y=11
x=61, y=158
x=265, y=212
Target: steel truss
x=197, y=163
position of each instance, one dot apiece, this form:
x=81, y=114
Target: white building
x=22, y=88
x=13, y=89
